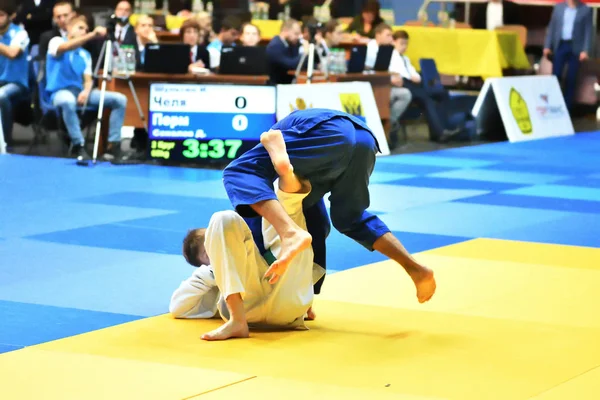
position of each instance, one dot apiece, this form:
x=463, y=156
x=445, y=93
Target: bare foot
x=275, y=146
x=291, y=244
x=230, y=329
x=310, y=315
x=425, y=284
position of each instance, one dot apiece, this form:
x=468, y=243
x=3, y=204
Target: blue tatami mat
x=86, y=248
x=28, y=324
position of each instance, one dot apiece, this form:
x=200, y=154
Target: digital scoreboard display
x=207, y=123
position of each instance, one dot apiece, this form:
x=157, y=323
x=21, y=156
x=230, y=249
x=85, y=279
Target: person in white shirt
x=232, y=275
x=144, y=30
x=407, y=77
x=400, y=96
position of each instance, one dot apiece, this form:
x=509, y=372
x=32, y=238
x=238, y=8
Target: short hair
x=401, y=35
x=331, y=26
x=189, y=24
x=382, y=27
x=288, y=24
x=78, y=19
x=231, y=22
x=8, y=6
x=61, y=3
x=193, y=242
x=124, y=1
x=143, y=17
x=250, y=24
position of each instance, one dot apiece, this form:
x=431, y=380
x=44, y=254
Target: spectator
x=250, y=35
x=406, y=77
x=124, y=32
x=62, y=12
x=283, y=52
x=332, y=36
x=206, y=30
x=69, y=82
x=364, y=24
x=36, y=17
x=144, y=31
x=14, y=77
x=228, y=35
x=190, y=34
x=495, y=13
x=569, y=40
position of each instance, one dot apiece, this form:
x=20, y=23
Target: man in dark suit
x=36, y=17
x=283, y=52
x=124, y=32
x=62, y=12
x=495, y=13
x=569, y=41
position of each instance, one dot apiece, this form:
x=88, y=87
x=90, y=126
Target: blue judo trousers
x=336, y=153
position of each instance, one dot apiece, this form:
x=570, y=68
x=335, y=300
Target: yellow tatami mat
x=508, y=322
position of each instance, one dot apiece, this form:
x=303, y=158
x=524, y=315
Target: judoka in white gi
x=232, y=277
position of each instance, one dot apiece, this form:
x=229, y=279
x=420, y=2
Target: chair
x=45, y=113
x=520, y=30
x=34, y=51
x=457, y=105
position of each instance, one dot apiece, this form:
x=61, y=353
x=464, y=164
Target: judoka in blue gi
x=336, y=153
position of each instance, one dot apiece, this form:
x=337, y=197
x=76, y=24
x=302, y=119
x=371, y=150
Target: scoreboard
x=207, y=123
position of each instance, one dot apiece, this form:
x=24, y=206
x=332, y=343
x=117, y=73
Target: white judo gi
x=238, y=267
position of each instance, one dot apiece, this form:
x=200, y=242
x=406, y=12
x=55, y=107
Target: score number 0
x=240, y=122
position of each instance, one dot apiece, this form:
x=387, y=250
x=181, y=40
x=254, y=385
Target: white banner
x=531, y=107
x=355, y=98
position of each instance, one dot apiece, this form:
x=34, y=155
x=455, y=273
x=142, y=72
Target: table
x=142, y=80
x=380, y=82
x=467, y=52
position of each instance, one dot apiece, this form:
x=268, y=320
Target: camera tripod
x=105, y=58
x=311, y=63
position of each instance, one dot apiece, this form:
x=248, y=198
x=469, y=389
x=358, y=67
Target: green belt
x=269, y=257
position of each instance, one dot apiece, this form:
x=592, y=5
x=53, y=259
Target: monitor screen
x=201, y=124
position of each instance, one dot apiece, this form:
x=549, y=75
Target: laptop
x=384, y=57
x=167, y=58
x=243, y=60
x=358, y=56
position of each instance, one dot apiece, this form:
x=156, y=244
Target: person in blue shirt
x=336, y=153
x=14, y=70
x=69, y=82
x=228, y=35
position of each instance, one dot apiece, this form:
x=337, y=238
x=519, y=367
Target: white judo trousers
x=239, y=268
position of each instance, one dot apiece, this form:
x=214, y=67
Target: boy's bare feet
x=230, y=329
x=425, y=284
x=292, y=243
x=310, y=315
x=275, y=146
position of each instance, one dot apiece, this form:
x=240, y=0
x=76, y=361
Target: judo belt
x=269, y=257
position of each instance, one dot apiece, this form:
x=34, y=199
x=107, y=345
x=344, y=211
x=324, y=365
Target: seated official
x=144, y=31
x=332, y=33
x=124, y=32
x=190, y=34
x=400, y=96
x=283, y=52
x=364, y=25
x=207, y=34
x=69, y=83
x=228, y=35
x=250, y=35
x=14, y=71
x=407, y=77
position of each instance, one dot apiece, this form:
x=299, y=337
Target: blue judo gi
x=336, y=152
